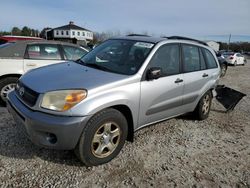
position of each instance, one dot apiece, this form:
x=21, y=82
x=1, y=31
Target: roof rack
x=186, y=38
x=137, y=35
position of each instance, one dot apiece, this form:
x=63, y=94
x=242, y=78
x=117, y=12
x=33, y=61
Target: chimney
x=71, y=23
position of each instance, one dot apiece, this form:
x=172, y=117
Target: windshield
x=118, y=56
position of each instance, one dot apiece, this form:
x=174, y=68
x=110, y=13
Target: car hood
x=68, y=75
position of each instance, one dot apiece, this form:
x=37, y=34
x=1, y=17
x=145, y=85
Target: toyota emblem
x=21, y=91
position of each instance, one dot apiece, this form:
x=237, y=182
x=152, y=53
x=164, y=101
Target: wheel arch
x=125, y=110
x=10, y=75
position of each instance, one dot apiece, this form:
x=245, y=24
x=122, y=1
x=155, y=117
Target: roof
x=70, y=26
x=145, y=38
x=141, y=38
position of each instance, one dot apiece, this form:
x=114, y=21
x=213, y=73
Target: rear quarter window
x=211, y=62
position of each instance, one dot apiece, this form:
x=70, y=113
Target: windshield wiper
x=94, y=65
x=80, y=61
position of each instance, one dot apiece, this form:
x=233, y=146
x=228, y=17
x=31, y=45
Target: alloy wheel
x=206, y=104
x=7, y=89
x=106, y=140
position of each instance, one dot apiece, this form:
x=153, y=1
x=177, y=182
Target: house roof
x=69, y=26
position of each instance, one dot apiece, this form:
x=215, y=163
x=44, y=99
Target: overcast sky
x=168, y=17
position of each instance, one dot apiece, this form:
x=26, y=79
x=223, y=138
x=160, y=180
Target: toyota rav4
x=95, y=104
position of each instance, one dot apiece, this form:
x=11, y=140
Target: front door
x=162, y=98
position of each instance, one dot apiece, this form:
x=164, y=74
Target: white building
x=214, y=45
x=72, y=33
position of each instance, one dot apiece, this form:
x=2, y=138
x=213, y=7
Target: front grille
x=26, y=94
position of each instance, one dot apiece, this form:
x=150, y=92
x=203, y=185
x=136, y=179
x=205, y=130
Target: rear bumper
x=57, y=132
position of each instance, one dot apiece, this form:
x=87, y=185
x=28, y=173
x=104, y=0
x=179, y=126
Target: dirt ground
x=179, y=152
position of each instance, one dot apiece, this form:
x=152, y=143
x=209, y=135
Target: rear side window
x=191, y=58
x=211, y=62
x=167, y=57
x=43, y=51
x=73, y=53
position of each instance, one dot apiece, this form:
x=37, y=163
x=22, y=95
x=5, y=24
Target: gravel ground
x=176, y=153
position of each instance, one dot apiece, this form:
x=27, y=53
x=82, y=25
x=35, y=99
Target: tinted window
x=167, y=57
x=211, y=63
x=43, y=51
x=191, y=58
x=73, y=53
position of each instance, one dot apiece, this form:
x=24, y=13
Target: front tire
x=6, y=85
x=102, y=138
x=203, y=108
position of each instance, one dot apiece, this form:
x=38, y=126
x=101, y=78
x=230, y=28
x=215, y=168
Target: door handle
x=205, y=75
x=31, y=64
x=178, y=80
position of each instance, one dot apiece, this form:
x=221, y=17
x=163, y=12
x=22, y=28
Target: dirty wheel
x=203, y=108
x=102, y=138
x=6, y=85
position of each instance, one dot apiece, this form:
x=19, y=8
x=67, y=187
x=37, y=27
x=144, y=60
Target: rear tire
x=6, y=85
x=235, y=63
x=223, y=70
x=102, y=138
x=203, y=108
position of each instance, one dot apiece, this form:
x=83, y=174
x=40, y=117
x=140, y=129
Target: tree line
x=101, y=36
x=24, y=31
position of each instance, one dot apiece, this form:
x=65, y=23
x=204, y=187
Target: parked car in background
x=21, y=56
x=223, y=63
x=246, y=55
x=10, y=38
x=234, y=58
x=122, y=85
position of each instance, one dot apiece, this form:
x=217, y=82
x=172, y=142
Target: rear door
x=197, y=73
x=38, y=55
x=162, y=98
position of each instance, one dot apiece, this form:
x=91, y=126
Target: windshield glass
x=118, y=56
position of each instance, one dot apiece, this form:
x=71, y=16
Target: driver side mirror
x=154, y=73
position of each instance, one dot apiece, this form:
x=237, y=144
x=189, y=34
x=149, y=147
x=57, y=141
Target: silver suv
x=94, y=104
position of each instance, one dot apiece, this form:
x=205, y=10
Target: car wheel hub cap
x=106, y=140
x=7, y=89
x=206, y=104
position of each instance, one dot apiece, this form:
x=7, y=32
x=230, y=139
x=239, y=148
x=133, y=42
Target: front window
x=118, y=56
x=73, y=53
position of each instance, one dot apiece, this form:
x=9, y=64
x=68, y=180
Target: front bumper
x=51, y=131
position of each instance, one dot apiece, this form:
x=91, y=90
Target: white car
x=22, y=56
x=234, y=58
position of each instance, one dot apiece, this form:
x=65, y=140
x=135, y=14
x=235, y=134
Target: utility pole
x=229, y=42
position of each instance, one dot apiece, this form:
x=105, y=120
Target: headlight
x=62, y=100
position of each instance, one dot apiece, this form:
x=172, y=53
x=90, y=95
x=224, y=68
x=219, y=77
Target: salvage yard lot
x=179, y=152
